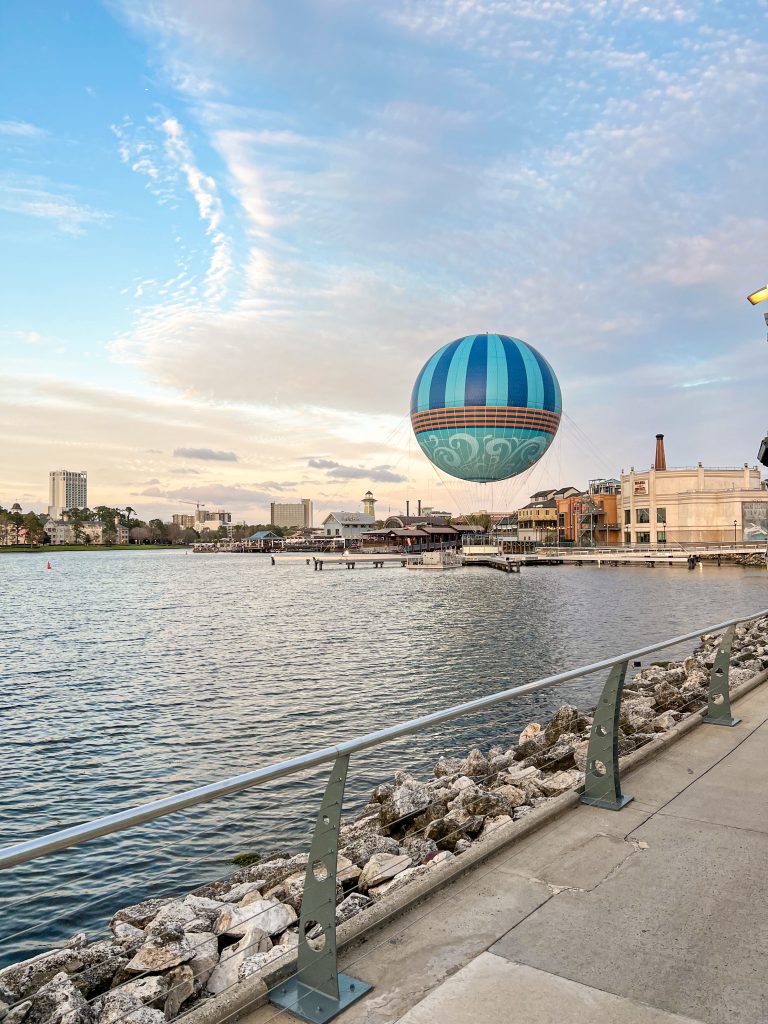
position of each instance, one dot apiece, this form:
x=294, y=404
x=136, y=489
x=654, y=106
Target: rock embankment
x=167, y=953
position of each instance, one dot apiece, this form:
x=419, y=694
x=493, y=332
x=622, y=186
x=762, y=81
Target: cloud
x=207, y=454
x=377, y=474
x=21, y=129
x=35, y=198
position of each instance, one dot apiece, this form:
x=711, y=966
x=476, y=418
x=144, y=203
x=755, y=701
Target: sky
x=233, y=233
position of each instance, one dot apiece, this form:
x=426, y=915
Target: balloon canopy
x=485, y=407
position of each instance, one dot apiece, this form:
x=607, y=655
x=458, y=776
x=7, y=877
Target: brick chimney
x=660, y=462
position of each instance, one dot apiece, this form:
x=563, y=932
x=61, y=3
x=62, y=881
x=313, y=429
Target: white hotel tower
x=67, y=489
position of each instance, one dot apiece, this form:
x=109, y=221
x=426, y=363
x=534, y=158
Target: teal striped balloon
x=486, y=407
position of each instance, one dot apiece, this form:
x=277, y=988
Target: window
x=661, y=515
x=643, y=538
x=642, y=515
x=627, y=519
x=337, y=533
x=661, y=537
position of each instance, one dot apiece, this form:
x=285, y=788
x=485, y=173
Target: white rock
x=127, y=933
x=558, y=782
x=289, y=939
x=443, y=857
x=491, y=824
x=119, y=1008
x=237, y=892
x=174, y=917
x=400, y=879
x=463, y=782
x=206, y=955
x=253, y=964
x=226, y=973
x=269, y=915
x=529, y=732
x=60, y=1002
x=158, y=955
x=352, y=905
x=381, y=867
x=150, y=991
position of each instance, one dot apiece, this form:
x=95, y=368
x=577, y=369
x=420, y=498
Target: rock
x=58, y=1002
x=528, y=733
x=253, y=964
x=205, y=946
x=140, y=914
x=181, y=987
x=448, y=831
x=78, y=941
x=401, y=879
x=352, y=905
x=157, y=955
x=407, y=800
x=580, y=755
x=668, y=697
x=520, y=812
x=382, y=793
x=347, y=872
x=475, y=764
x=555, y=758
x=18, y=1013
x=172, y=919
x=381, y=867
x=268, y=915
x=500, y=762
x=289, y=939
x=121, y=1008
x=151, y=991
x=241, y=890
x=666, y=720
x=447, y=766
x=559, y=782
x=437, y=809
x=20, y=980
x=127, y=934
x=462, y=845
x=492, y=803
x=565, y=720
x=418, y=848
x=442, y=857
x=636, y=718
x=361, y=850
x=516, y=775
x=492, y=824
x=101, y=962
x=269, y=873
x=204, y=908
x=227, y=971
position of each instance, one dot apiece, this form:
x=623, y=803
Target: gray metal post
x=602, y=786
x=719, y=709
x=317, y=992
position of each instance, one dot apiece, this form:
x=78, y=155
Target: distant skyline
x=233, y=233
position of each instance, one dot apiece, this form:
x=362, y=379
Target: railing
x=317, y=992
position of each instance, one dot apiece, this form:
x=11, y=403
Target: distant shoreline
x=47, y=549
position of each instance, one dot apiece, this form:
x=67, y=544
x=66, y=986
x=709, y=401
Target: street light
x=735, y=522
x=759, y=296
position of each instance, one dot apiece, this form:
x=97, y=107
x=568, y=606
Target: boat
x=436, y=561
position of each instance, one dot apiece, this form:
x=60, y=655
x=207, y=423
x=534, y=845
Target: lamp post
x=735, y=522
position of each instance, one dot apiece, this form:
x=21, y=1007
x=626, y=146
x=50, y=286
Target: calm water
x=131, y=675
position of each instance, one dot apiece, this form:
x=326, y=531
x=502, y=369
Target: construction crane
x=197, y=504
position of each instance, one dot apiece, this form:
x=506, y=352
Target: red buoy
x=49, y=565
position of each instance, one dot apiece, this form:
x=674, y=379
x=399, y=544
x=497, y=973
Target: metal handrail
x=21, y=853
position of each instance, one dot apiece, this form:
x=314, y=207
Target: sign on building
x=754, y=516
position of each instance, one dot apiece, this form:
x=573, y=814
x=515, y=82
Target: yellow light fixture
x=758, y=296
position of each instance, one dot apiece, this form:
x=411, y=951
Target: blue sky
x=239, y=230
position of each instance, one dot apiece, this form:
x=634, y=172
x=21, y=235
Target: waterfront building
x=67, y=489
x=537, y=522
x=591, y=519
x=290, y=514
x=59, y=530
x=184, y=521
x=347, y=525
x=693, y=504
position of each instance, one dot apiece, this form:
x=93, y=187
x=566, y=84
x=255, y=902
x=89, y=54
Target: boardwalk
x=652, y=915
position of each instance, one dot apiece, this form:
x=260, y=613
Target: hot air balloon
x=485, y=407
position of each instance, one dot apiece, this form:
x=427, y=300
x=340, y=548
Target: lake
x=132, y=675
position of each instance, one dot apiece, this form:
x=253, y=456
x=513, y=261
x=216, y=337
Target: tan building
x=184, y=521
x=288, y=514
x=693, y=505
x=67, y=489
x=537, y=522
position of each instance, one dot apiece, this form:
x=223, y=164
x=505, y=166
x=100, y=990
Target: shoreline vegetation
x=48, y=549
x=174, y=952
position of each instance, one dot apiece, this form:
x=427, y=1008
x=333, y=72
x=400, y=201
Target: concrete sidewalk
x=651, y=915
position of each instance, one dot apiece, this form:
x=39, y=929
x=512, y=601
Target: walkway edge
x=254, y=991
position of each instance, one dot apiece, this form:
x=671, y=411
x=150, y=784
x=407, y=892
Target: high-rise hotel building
x=289, y=514
x=67, y=489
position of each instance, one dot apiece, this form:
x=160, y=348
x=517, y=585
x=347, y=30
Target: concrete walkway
x=651, y=915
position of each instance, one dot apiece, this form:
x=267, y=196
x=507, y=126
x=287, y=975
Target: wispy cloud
x=377, y=474
x=22, y=130
x=206, y=454
x=38, y=199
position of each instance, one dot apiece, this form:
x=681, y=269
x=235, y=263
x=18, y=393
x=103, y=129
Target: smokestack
x=407, y=508
x=660, y=462
x=418, y=513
